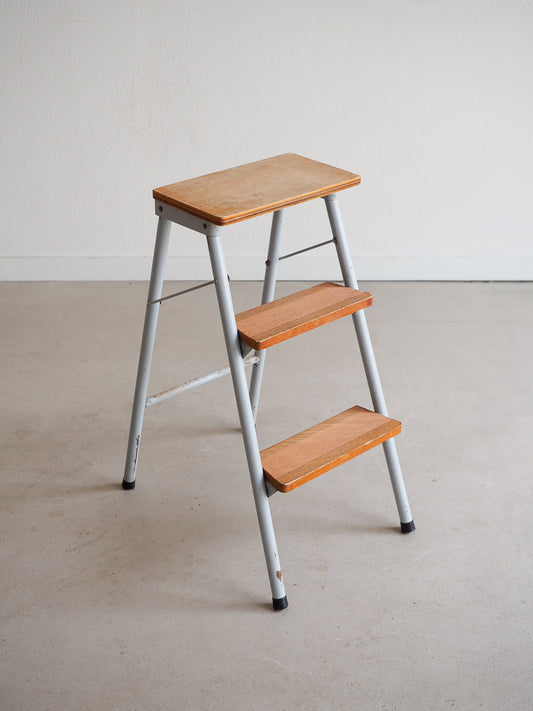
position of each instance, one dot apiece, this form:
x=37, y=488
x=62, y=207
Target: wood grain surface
x=310, y=453
x=266, y=325
x=253, y=189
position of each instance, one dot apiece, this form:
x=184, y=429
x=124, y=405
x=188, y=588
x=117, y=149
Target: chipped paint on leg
x=137, y=445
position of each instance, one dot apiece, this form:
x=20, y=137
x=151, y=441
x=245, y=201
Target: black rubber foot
x=129, y=485
x=280, y=604
x=408, y=527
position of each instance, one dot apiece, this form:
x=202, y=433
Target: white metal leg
x=269, y=287
x=369, y=362
x=244, y=407
x=147, y=347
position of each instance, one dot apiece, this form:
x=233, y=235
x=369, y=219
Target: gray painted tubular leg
x=244, y=407
x=369, y=362
x=147, y=347
x=269, y=286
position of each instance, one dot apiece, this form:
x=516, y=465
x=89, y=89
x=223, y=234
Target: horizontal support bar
x=185, y=291
x=301, y=251
x=194, y=383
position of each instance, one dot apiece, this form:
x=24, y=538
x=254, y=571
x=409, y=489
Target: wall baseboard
x=301, y=268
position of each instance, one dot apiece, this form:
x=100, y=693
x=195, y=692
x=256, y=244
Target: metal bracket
x=270, y=490
x=180, y=217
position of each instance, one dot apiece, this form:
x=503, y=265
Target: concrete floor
x=158, y=598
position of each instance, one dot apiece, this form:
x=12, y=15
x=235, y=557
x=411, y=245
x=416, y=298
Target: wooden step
x=310, y=453
x=271, y=323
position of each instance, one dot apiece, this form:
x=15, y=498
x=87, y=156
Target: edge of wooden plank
x=247, y=215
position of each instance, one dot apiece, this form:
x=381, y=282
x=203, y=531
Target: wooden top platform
x=255, y=188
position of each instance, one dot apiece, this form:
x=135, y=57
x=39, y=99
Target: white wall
x=431, y=101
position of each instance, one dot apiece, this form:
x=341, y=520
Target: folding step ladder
x=205, y=205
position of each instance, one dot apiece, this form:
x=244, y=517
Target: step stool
x=207, y=204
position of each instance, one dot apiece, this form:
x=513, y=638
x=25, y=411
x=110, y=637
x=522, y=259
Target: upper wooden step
x=271, y=323
x=305, y=456
x=253, y=189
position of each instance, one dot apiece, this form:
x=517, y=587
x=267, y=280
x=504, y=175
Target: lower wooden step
x=310, y=453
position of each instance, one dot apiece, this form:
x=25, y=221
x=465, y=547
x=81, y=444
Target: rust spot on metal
x=278, y=575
